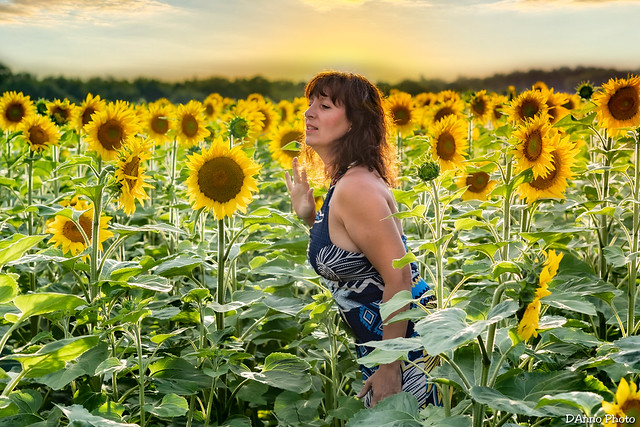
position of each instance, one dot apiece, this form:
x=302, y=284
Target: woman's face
x=326, y=122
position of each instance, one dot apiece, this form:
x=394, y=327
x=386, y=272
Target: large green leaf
x=291, y=410
x=53, y=356
x=583, y=400
x=177, y=375
x=398, y=410
x=387, y=351
x=78, y=415
x=43, y=303
x=629, y=351
x=180, y=266
x=17, y=246
x=171, y=406
x=285, y=371
x=8, y=286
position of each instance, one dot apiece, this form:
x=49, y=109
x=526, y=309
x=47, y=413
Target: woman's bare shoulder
x=361, y=184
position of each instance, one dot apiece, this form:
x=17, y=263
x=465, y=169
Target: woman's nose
x=308, y=113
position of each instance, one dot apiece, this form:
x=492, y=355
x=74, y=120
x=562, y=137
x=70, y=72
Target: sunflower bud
x=585, y=90
x=428, y=171
x=239, y=127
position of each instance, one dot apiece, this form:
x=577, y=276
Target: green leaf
x=389, y=350
x=431, y=246
x=266, y=216
x=8, y=286
x=45, y=302
x=28, y=401
x=291, y=410
x=569, y=301
x=78, y=414
x=285, y=371
x=292, y=146
x=417, y=212
x=171, y=406
x=408, y=258
x=498, y=401
x=180, y=266
x=53, y=356
x=629, y=351
x=125, y=230
x=14, y=249
x=398, y=410
x=398, y=301
x=111, y=365
x=504, y=267
x=160, y=338
x=290, y=306
x=468, y=224
x=583, y=400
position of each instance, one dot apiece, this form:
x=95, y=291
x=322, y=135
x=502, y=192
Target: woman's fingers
x=365, y=389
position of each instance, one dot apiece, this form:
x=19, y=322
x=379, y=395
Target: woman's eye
x=325, y=106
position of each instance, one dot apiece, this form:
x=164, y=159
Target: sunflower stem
x=633, y=266
x=506, y=229
x=221, y=261
x=32, y=275
x=173, y=214
x=95, y=239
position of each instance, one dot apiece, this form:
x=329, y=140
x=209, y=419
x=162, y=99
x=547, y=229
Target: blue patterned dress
x=357, y=289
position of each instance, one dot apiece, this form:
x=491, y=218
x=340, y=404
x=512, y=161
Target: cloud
x=325, y=5
x=554, y=4
x=43, y=12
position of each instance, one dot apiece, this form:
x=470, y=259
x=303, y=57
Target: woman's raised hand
x=301, y=193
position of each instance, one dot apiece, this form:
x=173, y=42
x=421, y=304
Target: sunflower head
x=130, y=174
x=111, y=129
x=534, y=145
x=438, y=111
x=221, y=179
x=213, y=105
x=158, y=121
x=400, y=108
x=190, y=126
x=83, y=114
x=449, y=143
x=243, y=121
x=61, y=112
x=281, y=137
x=478, y=183
x=527, y=105
x=480, y=106
x=618, y=104
x=626, y=406
x=585, y=90
x=14, y=108
x=428, y=170
x=40, y=132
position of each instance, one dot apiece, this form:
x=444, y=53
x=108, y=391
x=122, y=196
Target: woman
x=353, y=238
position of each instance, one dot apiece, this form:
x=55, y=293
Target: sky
x=385, y=40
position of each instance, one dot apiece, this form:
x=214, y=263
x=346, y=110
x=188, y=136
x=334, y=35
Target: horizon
x=385, y=40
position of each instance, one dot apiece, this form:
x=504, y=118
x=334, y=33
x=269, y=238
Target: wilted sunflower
x=529, y=323
x=61, y=111
x=535, y=142
x=130, y=174
x=479, y=184
x=158, y=121
x=190, y=124
x=529, y=104
x=626, y=406
x=618, y=104
x=82, y=114
x=555, y=182
x=243, y=121
x=39, y=131
x=449, y=144
x=221, y=179
x=283, y=135
x=111, y=129
x=402, y=112
x=67, y=235
x=14, y=108
x=480, y=106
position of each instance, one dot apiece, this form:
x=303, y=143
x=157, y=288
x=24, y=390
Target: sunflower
x=441, y=110
x=111, y=129
x=14, y=107
x=448, y=95
x=158, y=121
x=285, y=110
x=221, y=179
x=401, y=110
x=529, y=323
x=425, y=99
x=130, y=174
x=479, y=184
x=83, y=113
x=527, y=105
x=498, y=103
x=585, y=90
x=627, y=406
x=61, y=112
x=269, y=112
x=554, y=183
x=618, y=104
x=534, y=146
x=555, y=105
x=480, y=106
x=541, y=86
x=449, y=144
x=213, y=105
x=243, y=121
x=190, y=126
x=573, y=102
x=280, y=137
x=67, y=235
x=39, y=131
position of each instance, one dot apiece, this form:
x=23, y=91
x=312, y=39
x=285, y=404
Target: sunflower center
x=479, y=107
x=533, y=146
x=239, y=127
x=131, y=169
x=86, y=115
x=15, y=112
x=160, y=125
x=631, y=408
x=208, y=110
x=60, y=115
x=71, y=232
x=401, y=116
x=288, y=137
x=189, y=125
x=220, y=179
x=624, y=104
x=477, y=182
x=443, y=112
x=38, y=136
x=110, y=134
x=540, y=183
x=529, y=109
x=446, y=146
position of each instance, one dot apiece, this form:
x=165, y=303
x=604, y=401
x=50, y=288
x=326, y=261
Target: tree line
x=143, y=89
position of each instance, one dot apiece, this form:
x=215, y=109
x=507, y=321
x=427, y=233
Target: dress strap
x=341, y=174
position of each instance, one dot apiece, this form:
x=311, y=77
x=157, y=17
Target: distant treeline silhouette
x=562, y=79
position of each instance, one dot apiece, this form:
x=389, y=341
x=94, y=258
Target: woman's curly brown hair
x=366, y=142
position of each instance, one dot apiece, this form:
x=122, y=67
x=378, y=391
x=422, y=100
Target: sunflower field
x=152, y=272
